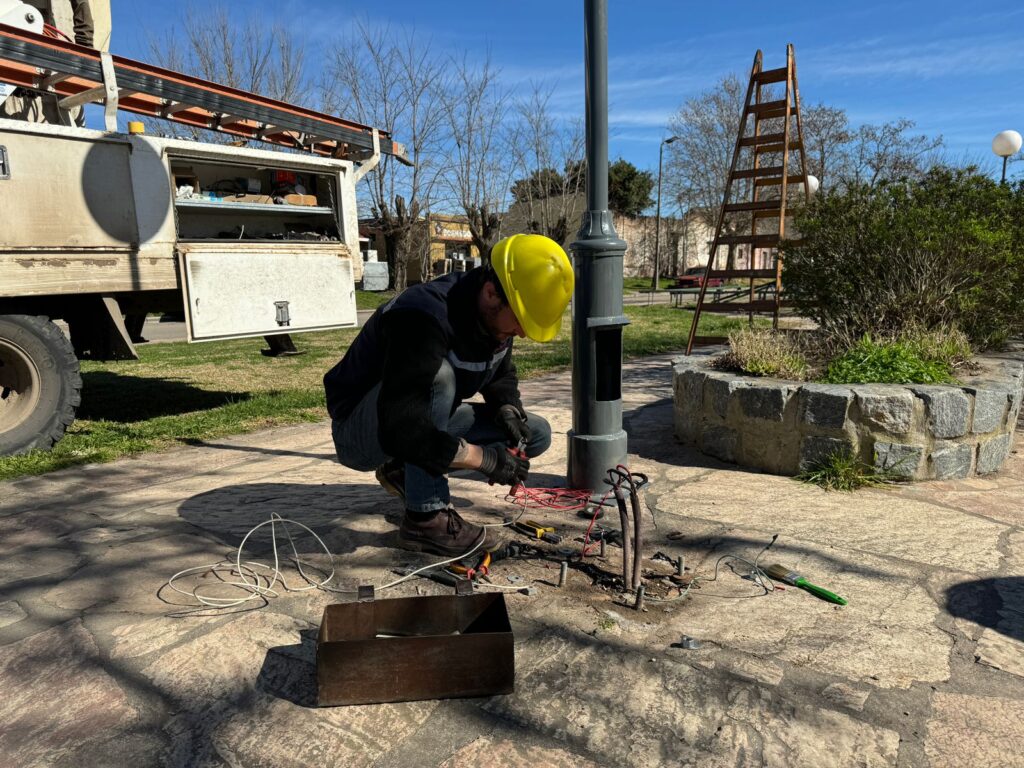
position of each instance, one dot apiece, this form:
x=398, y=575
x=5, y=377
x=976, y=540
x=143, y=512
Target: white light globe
x=813, y=185
x=1006, y=143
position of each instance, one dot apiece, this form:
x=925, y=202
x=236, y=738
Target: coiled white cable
x=245, y=577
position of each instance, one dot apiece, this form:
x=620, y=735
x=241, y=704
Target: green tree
x=629, y=188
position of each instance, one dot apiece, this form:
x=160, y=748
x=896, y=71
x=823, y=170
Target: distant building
x=441, y=244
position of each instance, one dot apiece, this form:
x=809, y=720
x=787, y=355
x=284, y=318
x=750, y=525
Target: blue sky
x=955, y=68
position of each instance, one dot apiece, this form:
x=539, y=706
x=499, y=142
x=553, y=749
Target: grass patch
x=644, y=283
x=178, y=393
x=842, y=471
x=765, y=352
x=372, y=299
x=894, y=362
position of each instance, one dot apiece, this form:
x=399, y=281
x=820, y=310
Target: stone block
x=815, y=449
x=992, y=453
x=825, y=405
x=890, y=409
x=949, y=410
x=764, y=401
x=719, y=442
x=989, y=407
x=718, y=391
x=952, y=460
x=899, y=459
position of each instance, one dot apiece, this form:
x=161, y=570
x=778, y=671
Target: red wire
x=51, y=31
x=564, y=500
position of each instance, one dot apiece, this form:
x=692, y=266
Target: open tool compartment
x=414, y=648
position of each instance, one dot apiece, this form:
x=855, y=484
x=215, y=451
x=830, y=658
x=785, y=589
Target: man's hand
x=513, y=422
x=503, y=467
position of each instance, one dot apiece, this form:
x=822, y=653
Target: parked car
x=694, y=277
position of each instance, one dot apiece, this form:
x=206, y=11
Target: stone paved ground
x=923, y=667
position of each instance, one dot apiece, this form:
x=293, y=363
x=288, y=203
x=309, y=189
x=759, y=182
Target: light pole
x=657, y=217
x=597, y=441
x=1005, y=145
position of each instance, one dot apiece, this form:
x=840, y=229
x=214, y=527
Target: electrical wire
x=243, y=575
x=757, y=575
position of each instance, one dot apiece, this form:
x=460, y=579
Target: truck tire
x=40, y=386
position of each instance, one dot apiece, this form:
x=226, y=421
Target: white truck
x=100, y=226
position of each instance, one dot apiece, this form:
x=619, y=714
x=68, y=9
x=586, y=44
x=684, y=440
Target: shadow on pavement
x=997, y=603
x=289, y=671
x=113, y=397
x=260, y=450
x=346, y=516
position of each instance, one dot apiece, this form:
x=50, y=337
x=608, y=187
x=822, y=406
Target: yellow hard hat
x=538, y=282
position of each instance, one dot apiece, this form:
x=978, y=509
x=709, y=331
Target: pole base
x=590, y=458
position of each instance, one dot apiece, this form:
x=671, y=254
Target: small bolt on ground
x=563, y=573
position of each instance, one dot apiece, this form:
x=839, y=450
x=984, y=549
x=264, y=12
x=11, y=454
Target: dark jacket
x=402, y=346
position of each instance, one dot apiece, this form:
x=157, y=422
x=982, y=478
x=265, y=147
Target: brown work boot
x=446, y=533
x=391, y=476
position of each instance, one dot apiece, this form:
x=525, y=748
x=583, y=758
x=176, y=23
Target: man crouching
x=396, y=397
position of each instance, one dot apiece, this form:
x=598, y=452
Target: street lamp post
x=1006, y=144
x=657, y=217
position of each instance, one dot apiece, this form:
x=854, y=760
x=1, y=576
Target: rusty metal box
x=412, y=648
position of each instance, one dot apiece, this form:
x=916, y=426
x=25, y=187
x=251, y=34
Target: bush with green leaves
x=945, y=250
x=893, y=362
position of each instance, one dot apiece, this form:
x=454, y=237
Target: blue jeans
x=358, y=447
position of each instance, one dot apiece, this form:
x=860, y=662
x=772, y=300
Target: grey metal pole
x=597, y=441
x=1003, y=180
x=657, y=224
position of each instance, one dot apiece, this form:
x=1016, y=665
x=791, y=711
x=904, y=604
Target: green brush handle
x=821, y=592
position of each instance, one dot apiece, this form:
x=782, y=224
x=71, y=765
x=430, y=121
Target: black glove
x=503, y=467
x=513, y=422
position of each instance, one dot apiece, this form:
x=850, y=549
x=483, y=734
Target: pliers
x=482, y=570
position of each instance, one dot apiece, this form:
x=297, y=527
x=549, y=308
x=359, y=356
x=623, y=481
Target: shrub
x=945, y=250
x=842, y=471
x=894, y=362
x=764, y=352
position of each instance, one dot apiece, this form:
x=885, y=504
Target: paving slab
x=102, y=664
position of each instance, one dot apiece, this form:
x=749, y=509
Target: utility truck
x=99, y=226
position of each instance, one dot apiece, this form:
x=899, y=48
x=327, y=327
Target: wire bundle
x=557, y=499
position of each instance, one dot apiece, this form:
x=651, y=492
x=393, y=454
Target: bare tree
x=549, y=158
x=392, y=80
x=699, y=160
x=248, y=55
x=827, y=139
x=888, y=151
x=478, y=169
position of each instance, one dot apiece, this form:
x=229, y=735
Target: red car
x=695, y=276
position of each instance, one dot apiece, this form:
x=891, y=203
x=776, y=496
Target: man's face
x=497, y=316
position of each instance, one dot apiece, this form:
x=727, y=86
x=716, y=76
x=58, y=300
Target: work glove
x=504, y=467
x=513, y=422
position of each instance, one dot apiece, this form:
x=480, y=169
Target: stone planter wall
x=919, y=432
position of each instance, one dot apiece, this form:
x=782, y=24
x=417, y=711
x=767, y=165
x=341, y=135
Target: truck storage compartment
x=239, y=289
x=239, y=201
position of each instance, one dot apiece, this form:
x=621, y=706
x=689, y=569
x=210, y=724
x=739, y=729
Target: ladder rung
x=751, y=173
x=767, y=148
x=759, y=205
x=729, y=274
x=770, y=214
x=772, y=75
x=778, y=180
x=772, y=114
x=766, y=106
x=758, y=241
x=764, y=305
x=764, y=138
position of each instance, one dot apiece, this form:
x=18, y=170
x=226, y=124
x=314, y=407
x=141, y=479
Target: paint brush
x=781, y=573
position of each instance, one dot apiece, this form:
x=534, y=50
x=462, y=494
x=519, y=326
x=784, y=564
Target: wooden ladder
x=762, y=194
